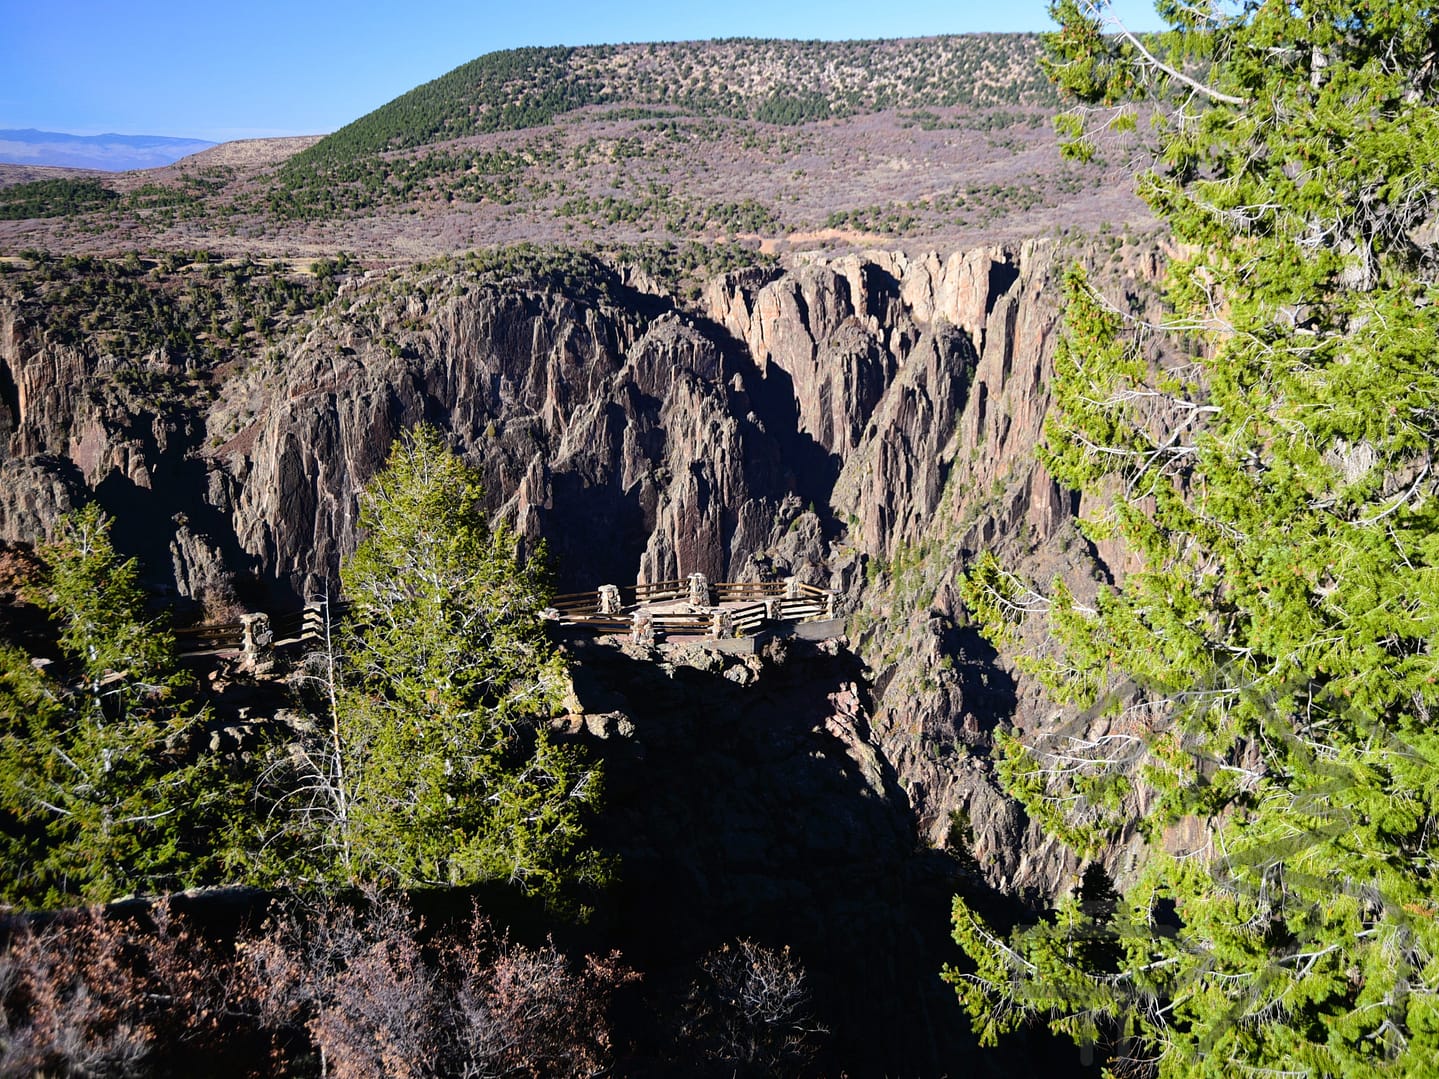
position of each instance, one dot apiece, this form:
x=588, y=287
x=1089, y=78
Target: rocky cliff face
x=866, y=421
x=924, y=383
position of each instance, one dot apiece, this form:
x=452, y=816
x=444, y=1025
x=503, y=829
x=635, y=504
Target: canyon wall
x=867, y=422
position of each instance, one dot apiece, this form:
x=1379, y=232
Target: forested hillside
x=775, y=82
x=772, y=145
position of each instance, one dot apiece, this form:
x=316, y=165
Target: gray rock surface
x=865, y=422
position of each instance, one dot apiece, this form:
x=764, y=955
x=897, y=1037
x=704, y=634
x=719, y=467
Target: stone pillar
x=699, y=590
x=643, y=630
x=722, y=623
x=791, y=588
x=829, y=604
x=609, y=595
x=312, y=626
x=256, y=653
x=774, y=608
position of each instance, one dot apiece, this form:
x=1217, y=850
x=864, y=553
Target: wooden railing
x=797, y=610
x=744, y=606
x=288, y=628
x=749, y=619
x=217, y=637
x=678, y=624
x=656, y=591
x=739, y=608
x=576, y=603
x=299, y=625
x=738, y=591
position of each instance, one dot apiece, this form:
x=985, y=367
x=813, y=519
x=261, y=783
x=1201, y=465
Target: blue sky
x=214, y=70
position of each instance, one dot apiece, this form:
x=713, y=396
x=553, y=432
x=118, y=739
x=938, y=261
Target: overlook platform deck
x=728, y=615
x=698, y=610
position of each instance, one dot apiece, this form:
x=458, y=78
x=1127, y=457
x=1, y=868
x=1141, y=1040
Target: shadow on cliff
x=765, y=811
x=784, y=460
x=595, y=534
x=147, y=518
x=988, y=691
x=813, y=468
x=9, y=402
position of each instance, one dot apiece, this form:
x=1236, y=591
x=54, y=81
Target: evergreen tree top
x=1269, y=671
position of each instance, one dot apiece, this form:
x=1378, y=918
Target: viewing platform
x=728, y=615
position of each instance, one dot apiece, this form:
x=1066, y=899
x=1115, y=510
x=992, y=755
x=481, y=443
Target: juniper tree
x=100, y=792
x=1268, y=671
x=440, y=768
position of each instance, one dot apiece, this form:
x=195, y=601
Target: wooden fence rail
x=800, y=609
x=194, y=640
x=603, y=623
x=292, y=626
x=657, y=590
x=743, y=606
x=287, y=628
x=750, y=618
x=727, y=591
x=682, y=623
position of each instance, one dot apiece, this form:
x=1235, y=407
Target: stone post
x=699, y=590
x=791, y=588
x=609, y=596
x=722, y=623
x=256, y=653
x=643, y=630
x=774, y=608
x=312, y=625
x=829, y=604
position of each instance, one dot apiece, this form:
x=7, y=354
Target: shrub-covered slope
x=778, y=82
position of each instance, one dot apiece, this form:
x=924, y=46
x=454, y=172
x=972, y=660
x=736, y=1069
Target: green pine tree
x=1269, y=671
x=100, y=793
x=437, y=767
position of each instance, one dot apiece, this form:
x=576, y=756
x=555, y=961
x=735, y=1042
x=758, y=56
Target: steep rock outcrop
x=76, y=424
x=867, y=421
x=622, y=440
x=936, y=465
x=504, y=373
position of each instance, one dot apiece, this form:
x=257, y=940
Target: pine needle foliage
x=100, y=793
x=443, y=770
x=1266, y=676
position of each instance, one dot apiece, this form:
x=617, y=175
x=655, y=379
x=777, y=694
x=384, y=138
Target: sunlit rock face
x=867, y=422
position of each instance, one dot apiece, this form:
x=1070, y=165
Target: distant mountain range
x=110, y=153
